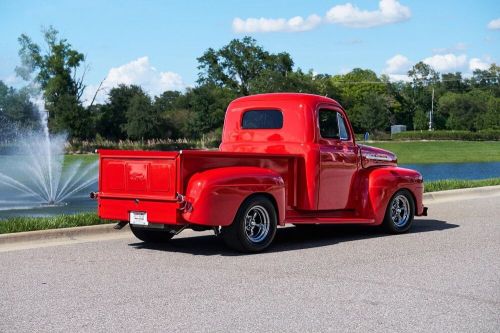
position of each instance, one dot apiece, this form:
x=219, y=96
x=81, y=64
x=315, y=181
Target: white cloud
x=494, y=24
x=476, y=63
x=458, y=47
x=389, y=11
x=398, y=64
x=446, y=62
x=399, y=77
x=139, y=72
x=297, y=23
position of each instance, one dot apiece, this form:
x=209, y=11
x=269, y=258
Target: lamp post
x=432, y=111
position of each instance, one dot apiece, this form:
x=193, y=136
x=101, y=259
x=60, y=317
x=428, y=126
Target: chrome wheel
x=254, y=226
x=400, y=210
x=257, y=224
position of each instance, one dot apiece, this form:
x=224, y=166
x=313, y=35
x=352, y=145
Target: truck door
x=338, y=160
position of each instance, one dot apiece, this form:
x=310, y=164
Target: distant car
x=284, y=158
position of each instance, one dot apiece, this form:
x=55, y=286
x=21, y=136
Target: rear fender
x=214, y=196
x=377, y=186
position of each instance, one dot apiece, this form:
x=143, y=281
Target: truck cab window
x=328, y=124
x=344, y=135
x=262, y=119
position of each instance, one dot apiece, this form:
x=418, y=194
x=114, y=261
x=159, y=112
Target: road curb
x=465, y=193
x=38, y=235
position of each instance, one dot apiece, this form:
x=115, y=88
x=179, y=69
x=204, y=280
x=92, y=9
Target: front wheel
x=400, y=212
x=151, y=235
x=254, y=227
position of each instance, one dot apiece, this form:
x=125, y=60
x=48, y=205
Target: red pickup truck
x=284, y=158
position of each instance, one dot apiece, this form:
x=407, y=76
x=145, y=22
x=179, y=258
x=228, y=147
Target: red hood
x=371, y=156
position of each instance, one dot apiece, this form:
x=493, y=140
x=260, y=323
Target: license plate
x=139, y=218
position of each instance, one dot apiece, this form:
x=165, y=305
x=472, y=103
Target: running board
x=329, y=220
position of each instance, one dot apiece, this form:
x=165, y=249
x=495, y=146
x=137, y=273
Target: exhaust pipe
x=93, y=195
x=184, y=205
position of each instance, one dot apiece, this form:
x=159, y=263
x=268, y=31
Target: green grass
x=85, y=158
x=442, y=151
x=453, y=184
x=19, y=224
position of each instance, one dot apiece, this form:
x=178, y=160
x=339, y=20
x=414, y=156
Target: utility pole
x=432, y=110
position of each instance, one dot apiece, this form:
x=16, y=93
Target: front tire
x=151, y=236
x=399, y=213
x=254, y=227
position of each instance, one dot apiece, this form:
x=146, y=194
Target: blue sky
x=156, y=43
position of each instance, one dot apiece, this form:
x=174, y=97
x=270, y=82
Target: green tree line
x=242, y=67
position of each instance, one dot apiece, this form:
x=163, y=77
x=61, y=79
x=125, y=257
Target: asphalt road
x=444, y=276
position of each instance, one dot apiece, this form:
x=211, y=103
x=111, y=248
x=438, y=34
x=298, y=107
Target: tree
x=56, y=71
x=171, y=106
x=208, y=104
x=236, y=65
x=16, y=109
x=487, y=79
x=423, y=74
x=420, y=120
x=143, y=122
x=491, y=119
x=371, y=114
x=453, y=82
x=464, y=110
x=112, y=117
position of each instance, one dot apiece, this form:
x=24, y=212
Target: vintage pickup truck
x=284, y=159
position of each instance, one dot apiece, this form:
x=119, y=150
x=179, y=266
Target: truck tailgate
x=138, y=181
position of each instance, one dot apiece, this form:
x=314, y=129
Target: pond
x=439, y=171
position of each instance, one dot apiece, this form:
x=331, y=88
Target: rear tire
x=399, y=213
x=254, y=227
x=152, y=236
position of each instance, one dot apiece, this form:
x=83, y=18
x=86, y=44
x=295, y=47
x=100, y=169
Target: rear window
x=262, y=119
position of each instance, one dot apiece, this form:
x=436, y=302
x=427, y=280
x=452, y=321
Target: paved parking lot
x=444, y=276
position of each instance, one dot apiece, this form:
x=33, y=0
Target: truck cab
x=284, y=159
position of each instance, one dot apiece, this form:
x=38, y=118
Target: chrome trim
x=377, y=157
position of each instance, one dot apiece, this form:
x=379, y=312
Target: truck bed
x=150, y=181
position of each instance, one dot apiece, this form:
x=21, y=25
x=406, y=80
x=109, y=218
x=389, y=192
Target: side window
x=328, y=124
x=344, y=134
x=262, y=119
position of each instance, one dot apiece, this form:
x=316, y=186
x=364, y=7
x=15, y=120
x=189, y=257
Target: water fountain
x=34, y=176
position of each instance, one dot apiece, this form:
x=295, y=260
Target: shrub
x=484, y=135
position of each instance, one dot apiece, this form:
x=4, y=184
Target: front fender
x=378, y=185
x=215, y=195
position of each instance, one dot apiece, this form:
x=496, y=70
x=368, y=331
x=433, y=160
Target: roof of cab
x=307, y=98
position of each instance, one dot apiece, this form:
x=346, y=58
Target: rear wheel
x=151, y=235
x=254, y=227
x=400, y=212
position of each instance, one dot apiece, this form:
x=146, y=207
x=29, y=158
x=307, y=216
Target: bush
x=75, y=146
x=485, y=135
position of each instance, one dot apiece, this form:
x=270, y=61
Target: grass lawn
x=453, y=184
x=442, y=151
x=85, y=158
x=25, y=223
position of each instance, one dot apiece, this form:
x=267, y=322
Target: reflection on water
x=76, y=204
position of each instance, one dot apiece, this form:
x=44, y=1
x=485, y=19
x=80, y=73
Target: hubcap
x=400, y=210
x=257, y=223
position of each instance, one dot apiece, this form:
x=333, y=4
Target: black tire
x=151, y=235
x=399, y=213
x=254, y=226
